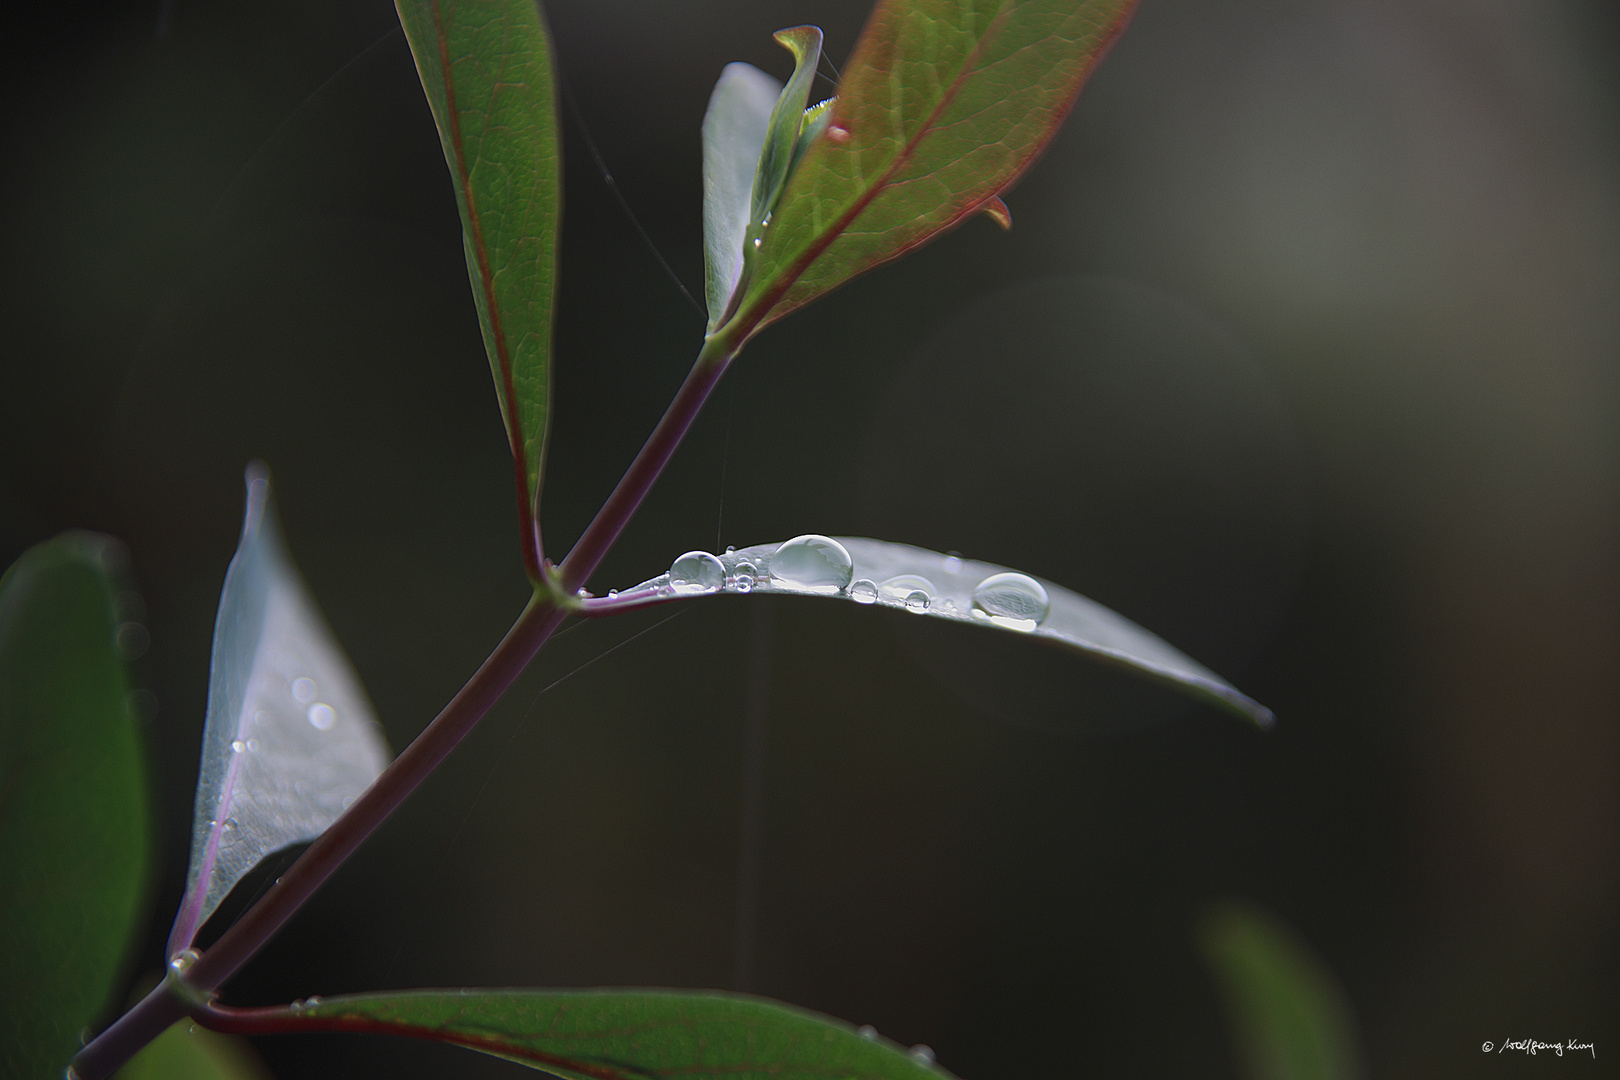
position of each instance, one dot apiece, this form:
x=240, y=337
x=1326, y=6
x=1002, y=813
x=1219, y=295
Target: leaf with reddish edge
x=611, y=1034
x=486, y=68
x=942, y=106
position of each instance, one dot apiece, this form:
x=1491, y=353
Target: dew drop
x=183, y=960
x=744, y=574
x=922, y=1054
x=837, y=133
x=953, y=563
x=731, y=549
x=696, y=573
x=813, y=563
x=867, y=1032
x=612, y=594
x=863, y=591
x=1016, y=601
x=901, y=586
x=322, y=716
x=303, y=690
x=917, y=602
x=238, y=746
x=70, y=1073
x=230, y=824
x=253, y=746
x=312, y=1001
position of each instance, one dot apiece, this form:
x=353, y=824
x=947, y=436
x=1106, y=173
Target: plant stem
x=621, y=506
x=104, y=1054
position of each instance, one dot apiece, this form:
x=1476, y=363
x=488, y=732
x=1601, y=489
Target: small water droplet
x=697, y=573
x=297, y=1005
x=322, y=716
x=183, y=960
x=922, y=1054
x=953, y=563
x=612, y=593
x=348, y=801
x=85, y=1035
x=918, y=601
x=312, y=1001
x=867, y=1032
x=1016, y=601
x=863, y=591
x=230, y=824
x=303, y=690
x=744, y=574
x=901, y=586
x=837, y=133
x=813, y=563
x=70, y=1073
x=238, y=746
x=730, y=549
x=258, y=716
x=253, y=746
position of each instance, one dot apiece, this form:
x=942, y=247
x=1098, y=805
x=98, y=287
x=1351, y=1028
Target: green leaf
x=942, y=106
x=188, y=1052
x=290, y=739
x=627, y=1034
x=876, y=573
x=777, y=156
x=486, y=68
x=1290, y=1019
x=73, y=810
x=734, y=129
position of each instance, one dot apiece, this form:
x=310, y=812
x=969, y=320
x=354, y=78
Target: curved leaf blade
x=486, y=67
x=777, y=156
x=188, y=1052
x=290, y=739
x=734, y=129
x=951, y=584
x=623, y=1034
x=73, y=804
x=942, y=106
x=1290, y=1019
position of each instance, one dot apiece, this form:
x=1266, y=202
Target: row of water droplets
x=820, y=565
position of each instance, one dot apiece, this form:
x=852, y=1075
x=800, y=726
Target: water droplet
x=922, y=1054
x=759, y=242
x=1016, y=601
x=348, y=801
x=918, y=601
x=863, y=591
x=867, y=1032
x=297, y=1005
x=612, y=593
x=837, y=133
x=697, y=573
x=901, y=586
x=183, y=960
x=303, y=690
x=312, y=1001
x=730, y=549
x=953, y=563
x=744, y=574
x=813, y=563
x=230, y=824
x=253, y=746
x=70, y=1073
x=322, y=716
x=238, y=746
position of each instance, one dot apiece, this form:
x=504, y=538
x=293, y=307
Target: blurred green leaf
x=878, y=573
x=942, y=105
x=73, y=810
x=1290, y=1019
x=188, y=1052
x=486, y=68
x=777, y=156
x=628, y=1034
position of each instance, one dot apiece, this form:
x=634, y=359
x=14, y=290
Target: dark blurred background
x=1301, y=352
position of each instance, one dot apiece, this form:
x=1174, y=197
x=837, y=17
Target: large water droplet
x=863, y=591
x=813, y=563
x=696, y=573
x=322, y=716
x=1016, y=601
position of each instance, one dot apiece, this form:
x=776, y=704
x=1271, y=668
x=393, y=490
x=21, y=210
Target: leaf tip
x=993, y=208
